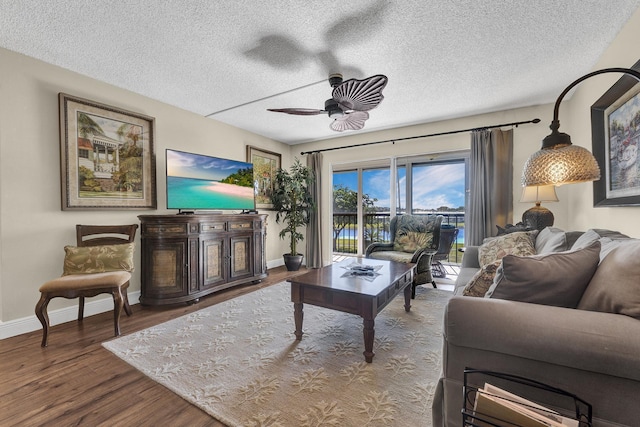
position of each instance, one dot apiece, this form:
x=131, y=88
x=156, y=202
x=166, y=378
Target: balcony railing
x=376, y=229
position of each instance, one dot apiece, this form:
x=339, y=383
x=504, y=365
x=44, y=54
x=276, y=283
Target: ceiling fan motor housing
x=332, y=108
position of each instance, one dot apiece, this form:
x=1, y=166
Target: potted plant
x=293, y=204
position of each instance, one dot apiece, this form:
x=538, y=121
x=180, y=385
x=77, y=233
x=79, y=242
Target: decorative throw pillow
x=98, y=259
x=550, y=240
x=615, y=287
x=585, y=239
x=411, y=241
x=594, y=234
x=608, y=244
x=557, y=279
x=482, y=280
x=413, y=233
x=520, y=243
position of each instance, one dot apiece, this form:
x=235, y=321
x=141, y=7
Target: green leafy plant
x=292, y=201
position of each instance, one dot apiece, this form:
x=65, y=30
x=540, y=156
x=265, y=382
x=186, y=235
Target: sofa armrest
x=592, y=341
x=470, y=257
x=377, y=246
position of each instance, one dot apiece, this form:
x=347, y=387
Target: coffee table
x=327, y=287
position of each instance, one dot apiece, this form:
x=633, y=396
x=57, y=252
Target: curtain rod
x=423, y=136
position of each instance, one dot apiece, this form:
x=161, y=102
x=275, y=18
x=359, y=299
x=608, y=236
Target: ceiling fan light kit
x=349, y=102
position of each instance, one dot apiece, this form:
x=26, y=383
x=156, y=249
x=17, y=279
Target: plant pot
x=293, y=262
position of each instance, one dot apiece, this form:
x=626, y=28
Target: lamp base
x=538, y=217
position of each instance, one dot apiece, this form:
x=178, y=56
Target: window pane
x=345, y=199
x=401, y=190
x=438, y=187
x=376, y=205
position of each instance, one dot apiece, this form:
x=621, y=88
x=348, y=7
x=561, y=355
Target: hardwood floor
x=76, y=382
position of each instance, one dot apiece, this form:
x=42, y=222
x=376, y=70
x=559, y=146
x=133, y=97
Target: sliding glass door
x=367, y=195
x=361, y=208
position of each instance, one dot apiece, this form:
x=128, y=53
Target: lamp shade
x=563, y=165
x=537, y=194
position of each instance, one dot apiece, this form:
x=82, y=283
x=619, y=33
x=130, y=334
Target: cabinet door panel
x=213, y=265
x=241, y=257
x=166, y=263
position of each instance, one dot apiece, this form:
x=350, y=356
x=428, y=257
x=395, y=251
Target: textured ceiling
x=232, y=59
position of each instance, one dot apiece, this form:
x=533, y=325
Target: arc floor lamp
x=559, y=161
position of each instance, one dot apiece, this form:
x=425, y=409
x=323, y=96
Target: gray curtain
x=491, y=176
x=314, y=235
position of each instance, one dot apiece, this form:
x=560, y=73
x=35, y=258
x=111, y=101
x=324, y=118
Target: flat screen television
x=200, y=182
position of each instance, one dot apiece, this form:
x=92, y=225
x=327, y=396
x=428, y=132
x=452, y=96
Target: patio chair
x=414, y=239
x=448, y=236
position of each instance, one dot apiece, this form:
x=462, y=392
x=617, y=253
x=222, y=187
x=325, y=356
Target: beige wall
x=33, y=229
x=624, y=52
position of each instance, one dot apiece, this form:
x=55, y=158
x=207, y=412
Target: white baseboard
x=63, y=315
x=275, y=263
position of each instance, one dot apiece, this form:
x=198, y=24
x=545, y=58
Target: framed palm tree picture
x=107, y=157
x=265, y=166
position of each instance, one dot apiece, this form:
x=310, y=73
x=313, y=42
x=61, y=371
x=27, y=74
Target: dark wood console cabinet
x=185, y=257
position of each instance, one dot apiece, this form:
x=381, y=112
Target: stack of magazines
x=497, y=407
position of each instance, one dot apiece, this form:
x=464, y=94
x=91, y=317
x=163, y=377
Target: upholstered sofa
x=567, y=316
x=413, y=239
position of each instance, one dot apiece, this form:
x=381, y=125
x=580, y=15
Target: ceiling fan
x=350, y=100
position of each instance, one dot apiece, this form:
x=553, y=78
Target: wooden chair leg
x=118, y=304
x=125, y=297
x=41, y=314
x=81, y=309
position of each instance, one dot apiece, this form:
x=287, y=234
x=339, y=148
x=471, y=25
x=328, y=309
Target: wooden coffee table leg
x=407, y=297
x=369, y=334
x=298, y=315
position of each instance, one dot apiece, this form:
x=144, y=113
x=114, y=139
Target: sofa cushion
x=615, y=287
x=413, y=233
x=482, y=280
x=594, y=234
x=557, y=279
x=550, y=240
x=520, y=243
x=98, y=259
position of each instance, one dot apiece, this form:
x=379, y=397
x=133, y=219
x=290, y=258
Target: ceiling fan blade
x=360, y=95
x=350, y=121
x=298, y=111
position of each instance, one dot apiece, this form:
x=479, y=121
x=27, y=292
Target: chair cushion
x=413, y=232
x=86, y=281
x=98, y=259
x=392, y=256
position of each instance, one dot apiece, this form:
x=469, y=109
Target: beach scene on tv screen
x=203, y=182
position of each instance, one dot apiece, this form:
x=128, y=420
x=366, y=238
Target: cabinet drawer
x=248, y=225
x=207, y=227
x=166, y=228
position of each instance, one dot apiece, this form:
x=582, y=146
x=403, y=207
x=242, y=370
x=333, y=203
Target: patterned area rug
x=239, y=361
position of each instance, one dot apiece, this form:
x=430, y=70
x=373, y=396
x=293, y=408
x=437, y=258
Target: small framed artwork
x=107, y=158
x=615, y=128
x=265, y=167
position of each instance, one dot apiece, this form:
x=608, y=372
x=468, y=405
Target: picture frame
x=265, y=166
x=615, y=129
x=107, y=158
